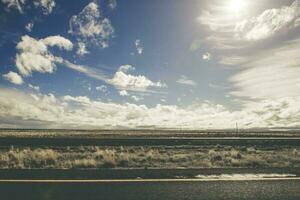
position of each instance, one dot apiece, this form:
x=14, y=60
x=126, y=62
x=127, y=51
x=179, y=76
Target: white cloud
x=49, y=111
x=28, y=62
x=229, y=32
x=16, y=4
x=29, y=26
x=112, y=4
x=91, y=27
x=126, y=81
x=102, y=88
x=136, y=98
x=126, y=68
x=206, y=56
x=58, y=41
x=29, y=44
x=138, y=46
x=80, y=99
x=34, y=87
x=33, y=54
x=270, y=22
x=123, y=93
x=13, y=78
x=46, y=5
x=82, y=49
x=186, y=81
x=121, y=80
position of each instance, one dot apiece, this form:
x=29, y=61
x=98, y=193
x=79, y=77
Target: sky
x=194, y=64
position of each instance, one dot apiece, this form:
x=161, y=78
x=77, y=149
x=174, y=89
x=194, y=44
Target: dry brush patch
x=148, y=157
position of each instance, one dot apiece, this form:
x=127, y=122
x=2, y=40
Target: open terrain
x=88, y=157
x=75, y=149
x=62, y=133
x=60, y=164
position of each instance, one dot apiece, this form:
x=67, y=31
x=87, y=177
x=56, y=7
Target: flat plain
x=139, y=164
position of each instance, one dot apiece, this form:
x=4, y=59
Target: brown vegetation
x=148, y=157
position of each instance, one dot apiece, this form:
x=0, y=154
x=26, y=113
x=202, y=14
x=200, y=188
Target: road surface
x=271, y=189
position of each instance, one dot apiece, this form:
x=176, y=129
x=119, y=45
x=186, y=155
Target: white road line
x=206, y=138
x=143, y=180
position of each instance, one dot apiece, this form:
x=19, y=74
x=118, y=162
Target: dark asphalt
x=212, y=190
x=90, y=174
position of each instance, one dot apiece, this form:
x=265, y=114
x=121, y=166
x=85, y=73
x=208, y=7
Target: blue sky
x=166, y=64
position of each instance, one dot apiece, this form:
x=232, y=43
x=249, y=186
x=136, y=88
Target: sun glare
x=236, y=6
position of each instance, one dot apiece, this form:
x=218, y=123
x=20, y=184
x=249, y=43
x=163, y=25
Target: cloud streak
x=186, y=81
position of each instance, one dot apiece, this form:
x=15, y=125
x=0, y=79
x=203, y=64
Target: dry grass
x=27, y=158
x=148, y=157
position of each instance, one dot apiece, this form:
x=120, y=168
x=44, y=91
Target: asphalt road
x=285, y=189
x=113, y=174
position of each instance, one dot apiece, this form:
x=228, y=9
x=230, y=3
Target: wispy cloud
x=273, y=73
x=112, y=4
x=126, y=68
x=218, y=86
x=136, y=98
x=15, y=4
x=29, y=26
x=46, y=5
x=138, y=46
x=102, y=88
x=206, y=56
x=82, y=49
x=89, y=71
x=186, y=81
x=34, y=87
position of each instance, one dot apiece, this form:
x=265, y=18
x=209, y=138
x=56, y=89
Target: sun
x=236, y=6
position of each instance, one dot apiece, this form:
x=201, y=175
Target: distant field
x=91, y=157
x=145, y=149
x=143, y=133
